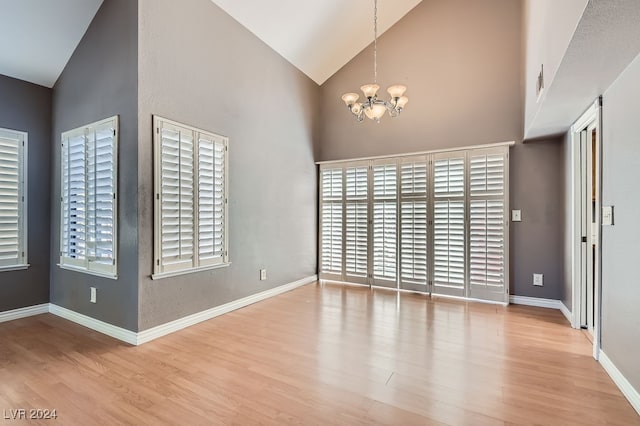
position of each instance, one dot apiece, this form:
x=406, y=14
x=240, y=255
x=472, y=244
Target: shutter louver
x=487, y=249
x=74, y=203
x=332, y=230
x=413, y=220
x=357, y=222
x=449, y=243
x=385, y=209
x=100, y=195
x=11, y=179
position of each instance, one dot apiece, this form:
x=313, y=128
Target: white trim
x=566, y=312
x=410, y=154
x=469, y=299
x=14, y=268
x=173, y=326
x=29, y=311
x=148, y=335
x=536, y=301
x=119, y=333
x=627, y=389
x=87, y=271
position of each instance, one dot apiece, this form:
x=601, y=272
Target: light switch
x=607, y=215
x=516, y=215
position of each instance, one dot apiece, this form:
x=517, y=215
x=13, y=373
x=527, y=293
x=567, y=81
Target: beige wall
x=461, y=63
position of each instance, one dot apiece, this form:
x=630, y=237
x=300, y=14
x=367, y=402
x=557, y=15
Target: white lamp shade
x=375, y=111
x=402, y=102
x=370, y=90
x=356, y=108
x=350, y=98
x=397, y=90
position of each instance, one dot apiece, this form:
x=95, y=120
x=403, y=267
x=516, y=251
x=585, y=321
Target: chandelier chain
x=375, y=41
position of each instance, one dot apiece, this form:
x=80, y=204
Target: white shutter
x=211, y=199
x=449, y=245
x=331, y=233
x=12, y=232
x=191, y=211
x=176, y=198
x=385, y=223
x=413, y=223
x=74, y=194
x=487, y=224
x=357, y=222
x=89, y=202
x=100, y=199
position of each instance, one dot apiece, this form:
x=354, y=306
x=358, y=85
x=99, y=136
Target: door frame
x=593, y=115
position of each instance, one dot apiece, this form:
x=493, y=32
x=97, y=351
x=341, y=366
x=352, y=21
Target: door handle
x=584, y=239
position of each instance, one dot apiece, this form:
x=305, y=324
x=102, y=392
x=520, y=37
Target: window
x=191, y=187
x=89, y=198
x=13, y=222
x=430, y=223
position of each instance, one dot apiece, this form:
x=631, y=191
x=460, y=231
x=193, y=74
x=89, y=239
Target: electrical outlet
x=538, y=280
x=94, y=297
x=263, y=274
x=516, y=215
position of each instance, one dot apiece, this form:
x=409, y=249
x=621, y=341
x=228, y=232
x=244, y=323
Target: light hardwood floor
x=321, y=354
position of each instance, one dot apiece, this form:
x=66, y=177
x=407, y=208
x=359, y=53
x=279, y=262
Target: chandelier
x=373, y=107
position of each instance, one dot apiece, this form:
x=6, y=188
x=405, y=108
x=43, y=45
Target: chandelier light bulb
x=396, y=91
x=402, y=102
x=370, y=90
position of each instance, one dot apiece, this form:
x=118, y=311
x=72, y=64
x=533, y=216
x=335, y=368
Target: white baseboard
x=536, y=301
x=173, y=326
x=566, y=312
x=119, y=333
x=29, y=311
x=618, y=378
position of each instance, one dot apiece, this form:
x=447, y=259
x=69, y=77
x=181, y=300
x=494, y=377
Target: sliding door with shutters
x=385, y=223
x=356, y=248
x=449, y=239
x=414, y=220
x=332, y=223
x=488, y=221
x=429, y=223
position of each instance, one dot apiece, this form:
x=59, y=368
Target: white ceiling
x=318, y=37
x=37, y=37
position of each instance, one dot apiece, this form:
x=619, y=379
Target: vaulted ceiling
x=37, y=37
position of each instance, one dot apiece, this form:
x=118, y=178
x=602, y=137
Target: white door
x=385, y=223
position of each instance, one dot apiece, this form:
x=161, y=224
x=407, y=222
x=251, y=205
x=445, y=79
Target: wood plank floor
x=321, y=354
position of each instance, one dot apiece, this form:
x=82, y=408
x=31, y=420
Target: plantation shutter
x=88, y=198
x=449, y=224
x=357, y=222
x=191, y=198
x=332, y=197
x=12, y=232
x=100, y=196
x=385, y=222
x=413, y=223
x=211, y=200
x=487, y=242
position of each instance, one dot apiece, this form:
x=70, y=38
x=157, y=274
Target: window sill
x=187, y=271
x=14, y=268
x=86, y=271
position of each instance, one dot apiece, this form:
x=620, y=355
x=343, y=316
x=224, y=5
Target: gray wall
x=461, y=61
x=27, y=107
x=101, y=80
x=200, y=67
x=621, y=243
x=537, y=243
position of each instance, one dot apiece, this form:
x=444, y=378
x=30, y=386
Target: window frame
x=23, y=205
x=85, y=266
x=160, y=271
